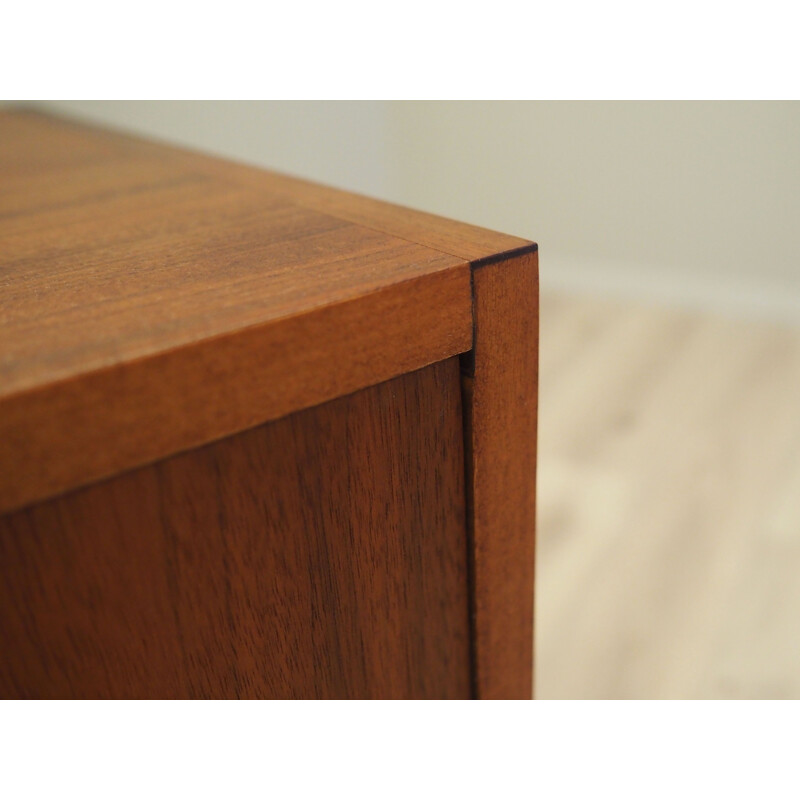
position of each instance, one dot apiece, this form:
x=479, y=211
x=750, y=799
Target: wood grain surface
x=500, y=405
x=154, y=300
x=139, y=293
x=80, y=144
x=322, y=555
x=449, y=236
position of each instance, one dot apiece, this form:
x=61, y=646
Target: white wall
x=690, y=203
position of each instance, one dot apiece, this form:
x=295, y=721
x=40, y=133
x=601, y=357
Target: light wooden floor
x=669, y=505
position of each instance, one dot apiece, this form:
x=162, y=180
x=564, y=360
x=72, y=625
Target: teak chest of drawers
x=258, y=438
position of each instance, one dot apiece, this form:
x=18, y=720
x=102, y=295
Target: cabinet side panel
x=319, y=556
x=500, y=406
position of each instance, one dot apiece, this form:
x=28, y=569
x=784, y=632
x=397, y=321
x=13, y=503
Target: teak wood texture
x=156, y=304
x=500, y=388
x=241, y=556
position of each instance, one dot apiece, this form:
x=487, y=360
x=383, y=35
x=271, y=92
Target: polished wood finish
x=457, y=238
x=500, y=389
x=231, y=571
x=186, y=397
x=72, y=151
x=154, y=301
x=121, y=307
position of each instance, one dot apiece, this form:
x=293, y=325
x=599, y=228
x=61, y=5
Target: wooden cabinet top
x=154, y=299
